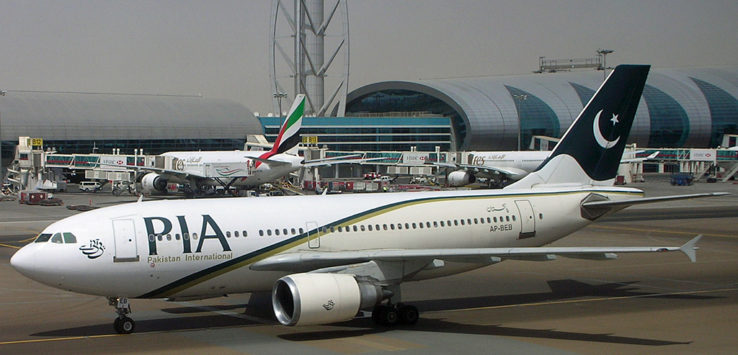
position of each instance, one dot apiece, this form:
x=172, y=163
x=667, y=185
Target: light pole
x=604, y=53
x=517, y=98
x=279, y=96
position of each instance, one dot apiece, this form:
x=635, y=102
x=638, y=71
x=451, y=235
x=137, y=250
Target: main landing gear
x=389, y=315
x=123, y=324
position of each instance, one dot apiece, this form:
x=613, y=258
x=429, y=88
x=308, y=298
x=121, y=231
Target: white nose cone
x=23, y=261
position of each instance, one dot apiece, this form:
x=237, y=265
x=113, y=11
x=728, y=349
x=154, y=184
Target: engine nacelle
x=460, y=178
x=153, y=181
x=305, y=299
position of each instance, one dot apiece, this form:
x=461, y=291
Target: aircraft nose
x=23, y=260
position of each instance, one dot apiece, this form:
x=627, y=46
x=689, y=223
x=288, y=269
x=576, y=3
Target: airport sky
x=219, y=48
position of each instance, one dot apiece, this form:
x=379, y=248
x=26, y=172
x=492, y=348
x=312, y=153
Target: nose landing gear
x=123, y=324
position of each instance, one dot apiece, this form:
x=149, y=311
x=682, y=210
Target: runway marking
x=30, y=341
x=535, y=304
x=9, y=246
x=654, y=230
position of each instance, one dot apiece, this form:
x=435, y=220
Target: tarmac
x=639, y=303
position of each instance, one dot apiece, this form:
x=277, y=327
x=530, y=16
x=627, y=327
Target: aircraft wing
x=312, y=261
x=271, y=162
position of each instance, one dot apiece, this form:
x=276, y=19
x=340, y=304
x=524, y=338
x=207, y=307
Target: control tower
x=309, y=54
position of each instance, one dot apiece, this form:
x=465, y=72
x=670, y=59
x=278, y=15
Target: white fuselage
x=188, y=248
x=238, y=165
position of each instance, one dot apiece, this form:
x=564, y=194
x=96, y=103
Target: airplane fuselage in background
x=228, y=165
x=204, y=248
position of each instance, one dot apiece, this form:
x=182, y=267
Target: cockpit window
x=69, y=238
x=43, y=238
x=57, y=238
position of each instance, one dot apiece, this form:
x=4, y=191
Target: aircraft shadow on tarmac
x=560, y=290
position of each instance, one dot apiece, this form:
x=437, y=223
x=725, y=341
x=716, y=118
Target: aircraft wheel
x=408, y=314
x=124, y=325
x=385, y=315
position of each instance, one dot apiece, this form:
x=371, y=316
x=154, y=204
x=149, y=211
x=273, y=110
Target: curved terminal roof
x=71, y=116
x=679, y=107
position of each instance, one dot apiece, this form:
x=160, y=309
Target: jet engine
x=305, y=299
x=460, y=178
x=153, y=181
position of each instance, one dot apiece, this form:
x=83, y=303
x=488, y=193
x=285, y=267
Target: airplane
x=503, y=167
x=327, y=258
x=203, y=171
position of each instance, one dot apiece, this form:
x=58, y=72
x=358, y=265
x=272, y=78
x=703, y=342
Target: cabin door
x=527, y=219
x=313, y=235
x=124, y=232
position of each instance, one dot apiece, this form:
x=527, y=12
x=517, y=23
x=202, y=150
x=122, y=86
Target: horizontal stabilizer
x=593, y=209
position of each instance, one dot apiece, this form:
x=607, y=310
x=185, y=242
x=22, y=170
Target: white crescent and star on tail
x=601, y=140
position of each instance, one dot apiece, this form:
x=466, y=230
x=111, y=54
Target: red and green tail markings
x=288, y=134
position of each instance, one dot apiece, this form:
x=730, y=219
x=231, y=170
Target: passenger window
x=276, y=232
x=293, y=231
x=261, y=232
x=194, y=236
x=384, y=226
x=407, y=225
x=420, y=225
x=399, y=225
x=540, y=216
x=43, y=238
x=362, y=227
x=235, y=234
x=392, y=226
x=370, y=227
x=443, y=224
x=176, y=236
x=456, y=222
x=284, y=231
x=427, y=224
x=495, y=219
x=269, y=232
x=159, y=237
x=435, y=224
x=507, y=218
x=245, y=234
x=340, y=229
x=151, y=237
x=476, y=221
x=228, y=234
x=468, y=221
x=69, y=238
x=462, y=222
x=489, y=220
x=355, y=228
x=169, y=237
x=301, y=231
x=513, y=217
x=185, y=236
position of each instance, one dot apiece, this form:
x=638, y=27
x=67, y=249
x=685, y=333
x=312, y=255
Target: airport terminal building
x=88, y=123
x=679, y=107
